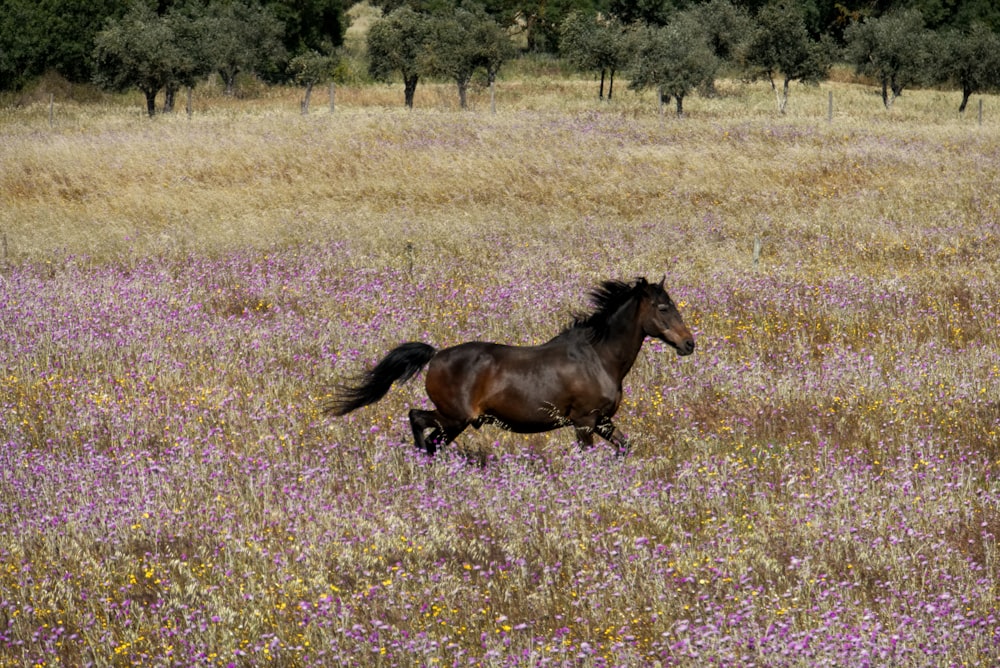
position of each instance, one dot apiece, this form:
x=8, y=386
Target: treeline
x=672, y=46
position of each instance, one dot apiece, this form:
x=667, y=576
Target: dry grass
x=817, y=485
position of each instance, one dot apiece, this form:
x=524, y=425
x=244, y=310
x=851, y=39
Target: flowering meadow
x=818, y=485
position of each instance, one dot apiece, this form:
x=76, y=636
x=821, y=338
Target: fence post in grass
x=493, y=97
x=829, y=108
x=188, y=106
x=332, y=91
x=5, y=249
x=980, y=111
x=756, y=251
x=409, y=259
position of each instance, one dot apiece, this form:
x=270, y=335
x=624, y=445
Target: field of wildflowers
x=816, y=486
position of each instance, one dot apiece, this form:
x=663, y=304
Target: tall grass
x=817, y=485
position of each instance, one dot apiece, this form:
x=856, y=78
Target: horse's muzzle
x=686, y=347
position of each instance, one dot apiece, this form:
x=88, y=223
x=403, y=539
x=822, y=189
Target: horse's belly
x=519, y=424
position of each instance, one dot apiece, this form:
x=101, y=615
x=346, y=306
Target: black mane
x=606, y=299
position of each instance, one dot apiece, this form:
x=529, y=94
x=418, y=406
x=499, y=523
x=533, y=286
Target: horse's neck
x=620, y=348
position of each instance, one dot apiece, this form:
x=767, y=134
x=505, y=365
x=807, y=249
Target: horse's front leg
x=609, y=432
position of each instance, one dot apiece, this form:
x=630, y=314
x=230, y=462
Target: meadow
x=818, y=485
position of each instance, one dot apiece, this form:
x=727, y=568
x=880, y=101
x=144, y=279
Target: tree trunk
x=783, y=102
x=600, y=92
x=680, y=105
x=229, y=78
x=493, y=91
x=611, y=82
x=305, y=100
x=409, y=88
x=966, y=94
x=463, y=87
x=664, y=99
x=168, y=99
x=781, y=97
x=150, y=101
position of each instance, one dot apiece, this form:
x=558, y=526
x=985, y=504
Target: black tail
x=400, y=364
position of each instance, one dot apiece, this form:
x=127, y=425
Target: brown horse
x=573, y=380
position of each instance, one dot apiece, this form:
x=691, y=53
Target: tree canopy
x=894, y=49
x=675, y=59
x=780, y=48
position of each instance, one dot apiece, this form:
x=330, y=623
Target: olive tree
x=591, y=42
x=779, y=48
x=675, y=59
x=138, y=51
x=971, y=61
x=894, y=49
x=310, y=68
x=459, y=43
x=395, y=44
x=245, y=37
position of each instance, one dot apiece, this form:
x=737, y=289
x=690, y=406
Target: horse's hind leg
x=443, y=431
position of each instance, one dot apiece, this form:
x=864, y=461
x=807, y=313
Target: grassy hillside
x=816, y=485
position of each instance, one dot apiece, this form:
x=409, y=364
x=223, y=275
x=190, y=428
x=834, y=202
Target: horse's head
x=663, y=321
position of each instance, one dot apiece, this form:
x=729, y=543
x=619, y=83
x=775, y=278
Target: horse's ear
x=663, y=280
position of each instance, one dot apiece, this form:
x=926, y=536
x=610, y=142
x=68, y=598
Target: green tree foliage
x=40, y=35
x=138, y=51
x=310, y=68
x=780, y=48
x=493, y=46
x=242, y=37
x=541, y=19
x=674, y=59
x=726, y=26
x=895, y=50
x=395, y=44
x=971, y=61
x=645, y=12
x=310, y=25
x=450, y=50
x=594, y=43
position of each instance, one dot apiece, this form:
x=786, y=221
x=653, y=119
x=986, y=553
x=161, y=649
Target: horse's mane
x=605, y=299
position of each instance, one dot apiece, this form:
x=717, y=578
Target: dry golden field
x=816, y=485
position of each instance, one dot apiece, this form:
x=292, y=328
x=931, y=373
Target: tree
x=646, y=12
x=726, y=26
x=395, y=44
x=461, y=42
x=36, y=36
x=310, y=68
x=674, y=59
x=594, y=43
x=138, y=51
x=971, y=60
x=245, y=37
x=779, y=47
x=310, y=25
x=493, y=45
x=893, y=49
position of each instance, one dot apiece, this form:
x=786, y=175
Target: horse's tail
x=400, y=365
